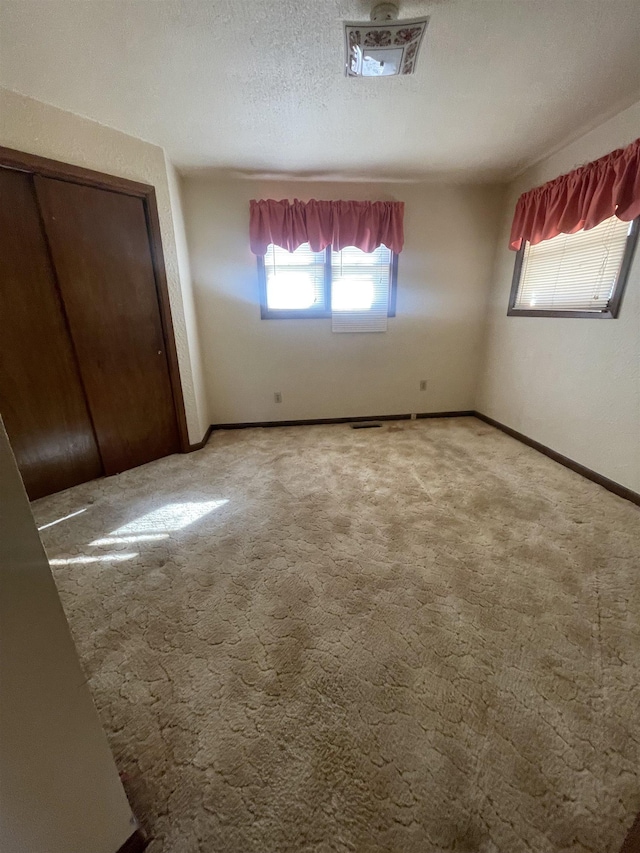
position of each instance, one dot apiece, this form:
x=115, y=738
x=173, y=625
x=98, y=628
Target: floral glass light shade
x=383, y=48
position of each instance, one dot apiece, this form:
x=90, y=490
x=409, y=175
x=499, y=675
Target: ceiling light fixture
x=383, y=46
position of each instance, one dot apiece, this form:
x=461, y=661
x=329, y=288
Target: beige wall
x=572, y=384
x=444, y=272
x=59, y=787
x=199, y=421
x=38, y=128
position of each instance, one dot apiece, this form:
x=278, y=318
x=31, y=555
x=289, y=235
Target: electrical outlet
x=423, y=384
x=277, y=397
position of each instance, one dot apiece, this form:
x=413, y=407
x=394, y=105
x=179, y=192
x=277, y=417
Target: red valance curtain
x=289, y=224
x=580, y=199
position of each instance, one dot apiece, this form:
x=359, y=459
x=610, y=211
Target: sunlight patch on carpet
x=169, y=517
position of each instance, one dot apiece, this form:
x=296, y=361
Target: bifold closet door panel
x=41, y=397
x=101, y=253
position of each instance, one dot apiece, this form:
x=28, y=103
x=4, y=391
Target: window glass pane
x=360, y=280
x=573, y=272
x=295, y=280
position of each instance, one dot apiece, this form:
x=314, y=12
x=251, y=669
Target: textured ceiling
x=258, y=85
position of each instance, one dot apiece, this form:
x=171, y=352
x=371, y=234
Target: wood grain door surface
x=42, y=401
x=100, y=248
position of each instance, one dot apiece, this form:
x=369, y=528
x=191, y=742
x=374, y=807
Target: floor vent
x=366, y=425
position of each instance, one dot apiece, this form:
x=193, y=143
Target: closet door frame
x=35, y=165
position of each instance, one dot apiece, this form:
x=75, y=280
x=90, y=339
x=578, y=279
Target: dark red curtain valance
x=289, y=224
x=581, y=199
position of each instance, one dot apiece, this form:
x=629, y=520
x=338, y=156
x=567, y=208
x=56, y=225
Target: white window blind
x=573, y=272
x=295, y=280
x=360, y=289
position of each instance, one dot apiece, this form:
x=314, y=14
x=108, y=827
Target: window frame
x=616, y=298
x=315, y=313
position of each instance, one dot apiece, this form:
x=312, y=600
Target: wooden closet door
x=100, y=248
x=41, y=397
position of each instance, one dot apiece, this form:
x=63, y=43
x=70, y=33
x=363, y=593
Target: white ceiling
x=258, y=85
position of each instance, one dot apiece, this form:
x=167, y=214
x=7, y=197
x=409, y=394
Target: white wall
x=59, y=787
x=443, y=277
x=37, y=128
x=572, y=384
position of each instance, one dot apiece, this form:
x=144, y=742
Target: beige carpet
x=419, y=638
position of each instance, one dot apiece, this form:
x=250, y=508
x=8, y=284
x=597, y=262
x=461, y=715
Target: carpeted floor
x=424, y=637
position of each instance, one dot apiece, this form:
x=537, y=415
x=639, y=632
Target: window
x=353, y=287
x=575, y=275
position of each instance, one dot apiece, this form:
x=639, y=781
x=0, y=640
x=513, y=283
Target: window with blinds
x=360, y=289
x=355, y=288
x=576, y=275
x=295, y=281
